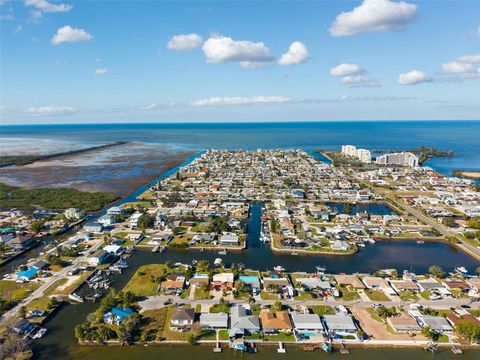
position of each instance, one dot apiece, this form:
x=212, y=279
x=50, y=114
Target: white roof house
x=340, y=323
x=214, y=321
x=304, y=322
x=223, y=278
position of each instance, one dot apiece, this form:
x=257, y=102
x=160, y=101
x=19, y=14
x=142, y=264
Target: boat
x=320, y=269
x=461, y=269
x=279, y=268
x=420, y=242
x=218, y=262
x=327, y=347
x=156, y=248
x=222, y=252
x=362, y=245
x=38, y=334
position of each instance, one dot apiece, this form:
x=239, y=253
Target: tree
x=449, y=222
x=436, y=271
x=146, y=221
x=22, y=312
x=14, y=346
x=347, y=208
x=277, y=306
x=474, y=223
x=52, y=304
x=429, y=333
x=192, y=339
x=468, y=331
x=37, y=225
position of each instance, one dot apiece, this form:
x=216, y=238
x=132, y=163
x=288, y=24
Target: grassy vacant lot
x=143, y=281
x=265, y=295
x=53, y=198
x=202, y=293
x=11, y=290
x=155, y=321
x=217, y=308
x=408, y=296
x=376, y=295
x=348, y=293
x=322, y=310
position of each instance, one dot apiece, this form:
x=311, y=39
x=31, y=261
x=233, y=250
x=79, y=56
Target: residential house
x=242, y=322
x=274, y=322
x=223, y=281
x=98, y=257
x=378, y=283
x=437, y=324
x=182, y=319
x=93, y=227
x=113, y=249
x=173, y=285
x=252, y=282
x=352, y=280
x=307, y=323
x=74, y=214
x=117, y=315
x=116, y=210
x=107, y=220
x=214, y=321
x=403, y=324
x=21, y=242
x=340, y=324
x=133, y=221
x=229, y=240
x=199, y=280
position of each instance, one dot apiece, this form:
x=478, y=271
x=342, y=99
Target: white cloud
x=45, y=6
x=297, y=53
x=49, y=110
x=150, y=106
x=457, y=67
x=470, y=59
x=101, y=71
x=238, y=100
x=374, y=15
x=414, y=77
x=221, y=49
x=251, y=65
x=346, y=69
x=359, y=81
x=69, y=34
x=185, y=42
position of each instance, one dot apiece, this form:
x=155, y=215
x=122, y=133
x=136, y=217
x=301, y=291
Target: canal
x=60, y=342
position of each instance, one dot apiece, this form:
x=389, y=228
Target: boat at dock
x=279, y=268
x=320, y=269
x=222, y=252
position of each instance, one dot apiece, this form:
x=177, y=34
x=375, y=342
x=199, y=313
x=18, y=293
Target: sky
x=227, y=61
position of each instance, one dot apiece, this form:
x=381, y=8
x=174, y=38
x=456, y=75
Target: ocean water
x=463, y=137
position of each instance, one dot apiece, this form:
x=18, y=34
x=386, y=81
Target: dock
x=344, y=350
x=281, y=349
x=456, y=350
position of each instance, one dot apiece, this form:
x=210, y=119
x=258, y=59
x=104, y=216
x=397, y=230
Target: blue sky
x=159, y=61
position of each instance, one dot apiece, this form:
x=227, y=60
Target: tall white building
x=362, y=154
x=402, y=158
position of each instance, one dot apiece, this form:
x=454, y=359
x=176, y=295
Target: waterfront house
x=22, y=326
x=403, y=285
x=312, y=283
x=307, y=324
x=340, y=324
x=93, y=227
x=74, y=214
x=436, y=323
x=173, y=284
x=242, y=322
x=27, y=275
x=98, y=257
x=274, y=322
x=214, y=321
x=252, y=282
x=21, y=242
x=116, y=210
x=182, y=319
x=454, y=319
x=199, y=279
x=474, y=284
x=228, y=239
x=117, y=315
x=223, y=281
x=107, y=220
x=403, y=324
x=113, y=249
x=40, y=265
x=377, y=283
x=351, y=280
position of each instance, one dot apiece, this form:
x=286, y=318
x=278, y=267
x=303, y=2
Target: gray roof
x=437, y=323
x=339, y=322
x=218, y=320
x=306, y=321
x=240, y=321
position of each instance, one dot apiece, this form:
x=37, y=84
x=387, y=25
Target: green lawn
x=11, y=290
x=408, y=296
x=376, y=295
x=265, y=295
x=303, y=295
x=347, y=294
x=51, y=289
x=219, y=308
x=425, y=294
x=322, y=310
x=141, y=283
x=282, y=336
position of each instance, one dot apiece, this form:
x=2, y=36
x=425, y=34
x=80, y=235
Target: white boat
x=360, y=245
x=279, y=268
x=371, y=241
x=40, y=333
x=461, y=269
x=218, y=262
x=222, y=252
x=320, y=269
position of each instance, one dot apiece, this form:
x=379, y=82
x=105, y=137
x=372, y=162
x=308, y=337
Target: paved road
x=155, y=302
